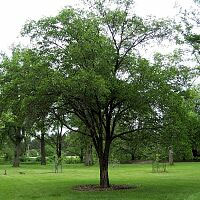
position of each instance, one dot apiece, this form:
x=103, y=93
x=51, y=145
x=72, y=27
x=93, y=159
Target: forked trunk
x=103, y=149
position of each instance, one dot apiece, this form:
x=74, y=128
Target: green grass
x=181, y=182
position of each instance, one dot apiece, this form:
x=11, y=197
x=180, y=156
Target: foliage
x=90, y=71
x=191, y=20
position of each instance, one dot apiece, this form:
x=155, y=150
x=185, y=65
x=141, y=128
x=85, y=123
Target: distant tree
x=11, y=97
x=191, y=20
x=39, y=131
x=193, y=123
x=57, y=136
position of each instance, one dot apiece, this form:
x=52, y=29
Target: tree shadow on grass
x=96, y=187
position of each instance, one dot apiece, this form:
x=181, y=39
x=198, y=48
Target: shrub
x=71, y=160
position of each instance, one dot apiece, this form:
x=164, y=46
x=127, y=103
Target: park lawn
x=181, y=182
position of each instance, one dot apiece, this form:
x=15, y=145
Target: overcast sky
x=13, y=14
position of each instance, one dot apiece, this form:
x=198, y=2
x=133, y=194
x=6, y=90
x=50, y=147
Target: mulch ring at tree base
x=95, y=187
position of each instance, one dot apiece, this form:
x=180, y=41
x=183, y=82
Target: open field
x=181, y=182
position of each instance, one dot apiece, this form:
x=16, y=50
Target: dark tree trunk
x=42, y=149
x=17, y=142
x=16, y=160
x=195, y=154
x=104, y=179
x=81, y=155
x=59, y=149
x=103, y=155
x=132, y=156
x=59, y=146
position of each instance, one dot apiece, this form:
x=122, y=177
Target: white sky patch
x=161, y=8
x=14, y=14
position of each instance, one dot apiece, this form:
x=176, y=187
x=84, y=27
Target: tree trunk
x=17, y=142
x=42, y=149
x=81, y=155
x=104, y=179
x=16, y=160
x=59, y=146
x=132, y=156
x=195, y=154
x=88, y=156
x=103, y=148
x=171, y=156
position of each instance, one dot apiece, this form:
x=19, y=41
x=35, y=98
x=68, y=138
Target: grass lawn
x=182, y=182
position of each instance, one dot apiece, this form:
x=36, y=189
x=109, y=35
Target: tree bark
x=16, y=160
x=42, y=149
x=17, y=142
x=59, y=146
x=104, y=179
x=103, y=154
